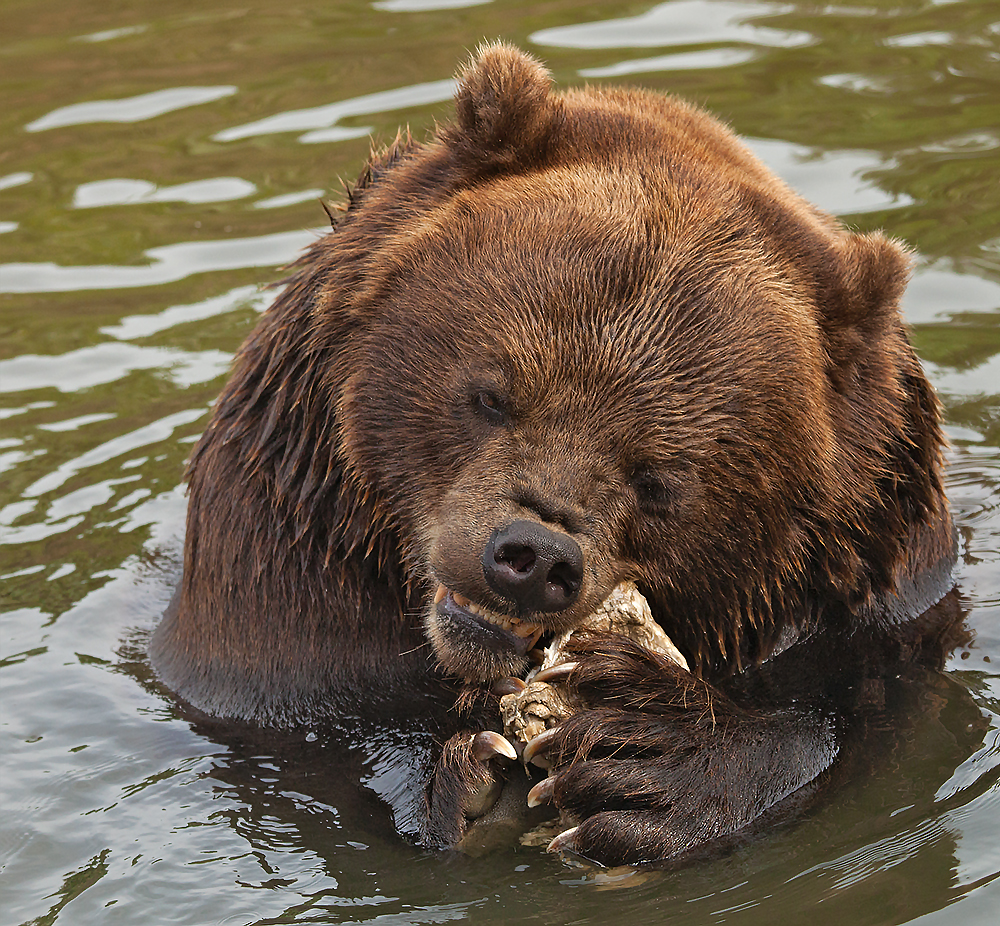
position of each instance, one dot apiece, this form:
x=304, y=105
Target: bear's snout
x=536, y=568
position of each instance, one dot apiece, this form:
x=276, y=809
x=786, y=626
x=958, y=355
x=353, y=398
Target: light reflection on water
x=167, y=264
x=677, y=24
x=161, y=163
x=133, y=109
x=322, y=119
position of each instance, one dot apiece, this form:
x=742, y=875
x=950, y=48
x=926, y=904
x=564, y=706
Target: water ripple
x=168, y=264
x=686, y=22
x=16, y=179
x=143, y=326
x=120, y=192
x=683, y=61
x=425, y=6
x=130, y=109
x=323, y=119
x=107, y=363
x=152, y=433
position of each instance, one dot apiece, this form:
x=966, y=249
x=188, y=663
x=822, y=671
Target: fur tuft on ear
x=875, y=273
x=859, y=303
x=506, y=115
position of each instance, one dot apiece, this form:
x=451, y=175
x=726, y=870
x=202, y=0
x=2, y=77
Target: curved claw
x=565, y=841
x=542, y=792
x=559, y=671
x=539, y=744
x=488, y=744
x=506, y=686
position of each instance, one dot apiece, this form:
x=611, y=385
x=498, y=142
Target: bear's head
x=587, y=337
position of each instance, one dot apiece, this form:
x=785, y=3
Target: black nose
x=537, y=569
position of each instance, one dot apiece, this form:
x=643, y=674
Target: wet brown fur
x=705, y=380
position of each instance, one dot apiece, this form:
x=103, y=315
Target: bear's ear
x=860, y=305
x=506, y=115
x=875, y=271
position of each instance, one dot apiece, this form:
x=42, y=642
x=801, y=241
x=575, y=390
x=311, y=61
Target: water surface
x=162, y=160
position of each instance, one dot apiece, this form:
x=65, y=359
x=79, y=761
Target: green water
x=159, y=161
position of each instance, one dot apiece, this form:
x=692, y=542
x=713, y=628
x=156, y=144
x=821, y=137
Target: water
x=159, y=162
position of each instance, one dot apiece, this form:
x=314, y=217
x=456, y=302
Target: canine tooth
x=460, y=600
x=440, y=594
x=525, y=630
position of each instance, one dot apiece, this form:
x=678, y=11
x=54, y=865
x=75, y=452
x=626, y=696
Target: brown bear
x=571, y=340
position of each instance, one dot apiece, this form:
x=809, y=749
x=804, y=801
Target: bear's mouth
x=454, y=607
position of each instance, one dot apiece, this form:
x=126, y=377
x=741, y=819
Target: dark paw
x=467, y=783
x=667, y=767
x=629, y=789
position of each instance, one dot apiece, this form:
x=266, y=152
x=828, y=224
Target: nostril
x=517, y=556
x=564, y=579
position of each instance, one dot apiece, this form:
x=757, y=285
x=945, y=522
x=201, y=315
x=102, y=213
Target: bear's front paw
x=666, y=767
x=632, y=788
x=467, y=782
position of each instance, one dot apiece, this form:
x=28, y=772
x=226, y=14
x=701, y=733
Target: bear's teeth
x=482, y=612
x=525, y=631
x=512, y=624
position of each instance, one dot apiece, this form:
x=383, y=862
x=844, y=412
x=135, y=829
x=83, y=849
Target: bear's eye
x=651, y=491
x=491, y=407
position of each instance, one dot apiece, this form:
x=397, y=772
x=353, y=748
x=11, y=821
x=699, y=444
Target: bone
x=545, y=700
x=624, y=611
